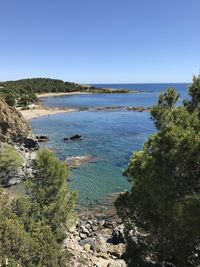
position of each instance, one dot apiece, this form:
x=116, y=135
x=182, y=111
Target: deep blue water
x=146, y=98
x=148, y=87
x=109, y=136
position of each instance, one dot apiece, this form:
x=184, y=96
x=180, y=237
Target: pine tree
x=165, y=178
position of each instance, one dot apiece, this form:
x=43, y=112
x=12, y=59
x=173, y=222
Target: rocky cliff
x=16, y=131
x=13, y=126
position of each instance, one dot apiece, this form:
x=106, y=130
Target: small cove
x=108, y=136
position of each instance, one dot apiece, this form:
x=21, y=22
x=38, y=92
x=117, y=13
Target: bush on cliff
x=165, y=178
x=10, y=159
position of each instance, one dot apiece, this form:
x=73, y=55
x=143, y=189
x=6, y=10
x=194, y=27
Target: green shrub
x=10, y=159
x=33, y=227
x=49, y=192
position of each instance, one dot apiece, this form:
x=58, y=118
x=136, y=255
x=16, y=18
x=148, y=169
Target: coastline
x=40, y=110
x=62, y=94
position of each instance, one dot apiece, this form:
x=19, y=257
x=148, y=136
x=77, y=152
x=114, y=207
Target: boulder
x=117, y=263
x=99, y=262
x=42, y=138
x=12, y=181
x=76, y=137
x=117, y=250
x=31, y=143
x=84, y=230
x=87, y=247
x=117, y=236
x=100, y=244
x=89, y=241
x=72, y=245
x=82, y=235
x=109, y=223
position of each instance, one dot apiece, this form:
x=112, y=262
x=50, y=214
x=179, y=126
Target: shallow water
x=108, y=136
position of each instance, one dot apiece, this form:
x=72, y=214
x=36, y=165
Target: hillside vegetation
x=23, y=92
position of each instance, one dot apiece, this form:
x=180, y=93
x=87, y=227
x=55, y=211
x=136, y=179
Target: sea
x=109, y=136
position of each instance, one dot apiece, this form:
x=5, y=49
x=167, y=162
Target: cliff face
x=13, y=126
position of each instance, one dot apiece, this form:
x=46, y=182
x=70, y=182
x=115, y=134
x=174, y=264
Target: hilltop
x=24, y=92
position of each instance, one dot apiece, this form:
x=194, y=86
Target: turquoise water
x=109, y=136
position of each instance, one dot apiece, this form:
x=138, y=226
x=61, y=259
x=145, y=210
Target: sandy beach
x=60, y=94
x=39, y=111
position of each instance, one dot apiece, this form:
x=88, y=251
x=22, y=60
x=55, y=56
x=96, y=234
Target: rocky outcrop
x=16, y=131
x=72, y=138
x=76, y=137
x=13, y=126
x=116, y=108
x=93, y=242
x=10, y=178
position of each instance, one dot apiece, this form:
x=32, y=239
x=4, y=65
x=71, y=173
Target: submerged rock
x=77, y=161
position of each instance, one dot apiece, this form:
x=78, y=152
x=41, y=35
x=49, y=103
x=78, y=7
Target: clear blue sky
x=100, y=41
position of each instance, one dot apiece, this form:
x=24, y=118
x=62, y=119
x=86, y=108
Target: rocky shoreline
x=40, y=110
x=115, y=108
x=97, y=238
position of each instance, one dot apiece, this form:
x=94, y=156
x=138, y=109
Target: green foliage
x=43, y=85
x=167, y=100
x=15, y=243
x=50, y=253
x=32, y=228
x=9, y=95
x=49, y=191
x=194, y=92
x=23, y=92
x=107, y=90
x=27, y=243
x=10, y=99
x=166, y=179
x=10, y=159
